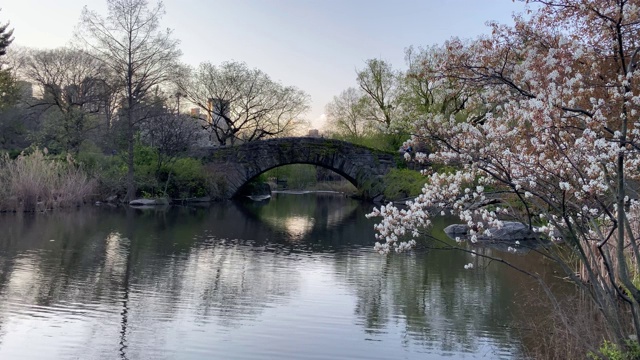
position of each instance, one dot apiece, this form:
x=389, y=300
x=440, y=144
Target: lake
x=295, y=277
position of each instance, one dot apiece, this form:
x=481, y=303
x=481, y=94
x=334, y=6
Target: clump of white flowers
x=396, y=246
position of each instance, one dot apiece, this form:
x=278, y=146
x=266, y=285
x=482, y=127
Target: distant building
x=205, y=139
x=314, y=133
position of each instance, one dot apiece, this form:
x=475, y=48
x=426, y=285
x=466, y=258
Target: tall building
x=314, y=133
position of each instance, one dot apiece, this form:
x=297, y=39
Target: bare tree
x=140, y=55
x=346, y=114
x=243, y=103
x=74, y=84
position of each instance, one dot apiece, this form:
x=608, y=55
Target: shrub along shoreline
x=37, y=182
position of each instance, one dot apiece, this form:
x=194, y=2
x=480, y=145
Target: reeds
x=569, y=331
x=34, y=182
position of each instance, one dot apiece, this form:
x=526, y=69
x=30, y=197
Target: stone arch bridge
x=362, y=166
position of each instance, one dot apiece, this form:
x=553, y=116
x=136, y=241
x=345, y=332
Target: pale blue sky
x=315, y=45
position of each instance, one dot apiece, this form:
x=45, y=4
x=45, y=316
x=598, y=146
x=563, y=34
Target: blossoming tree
x=556, y=99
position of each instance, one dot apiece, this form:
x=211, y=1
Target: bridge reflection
x=296, y=216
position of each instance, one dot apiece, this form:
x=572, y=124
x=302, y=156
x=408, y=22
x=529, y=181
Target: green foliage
x=403, y=183
x=443, y=169
x=611, y=351
x=144, y=155
x=181, y=178
x=9, y=91
x=178, y=179
x=262, y=177
x=109, y=170
x=298, y=176
x=186, y=178
x=146, y=169
x=63, y=132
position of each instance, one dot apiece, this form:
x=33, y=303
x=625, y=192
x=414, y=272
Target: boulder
x=456, y=230
x=509, y=232
x=148, y=202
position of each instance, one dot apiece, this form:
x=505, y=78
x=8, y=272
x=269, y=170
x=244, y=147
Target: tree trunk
x=131, y=185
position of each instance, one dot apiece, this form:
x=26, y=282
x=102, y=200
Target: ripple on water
x=221, y=283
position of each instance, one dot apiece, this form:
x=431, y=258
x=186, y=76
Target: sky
x=314, y=45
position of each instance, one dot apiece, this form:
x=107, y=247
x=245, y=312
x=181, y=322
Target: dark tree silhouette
x=5, y=38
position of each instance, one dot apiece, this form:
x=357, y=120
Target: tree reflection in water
x=151, y=281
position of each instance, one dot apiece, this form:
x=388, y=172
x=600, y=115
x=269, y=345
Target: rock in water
x=148, y=202
x=510, y=231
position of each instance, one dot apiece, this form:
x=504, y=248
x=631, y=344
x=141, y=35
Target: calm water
x=294, y=278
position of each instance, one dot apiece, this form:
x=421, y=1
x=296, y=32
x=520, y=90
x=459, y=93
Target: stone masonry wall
x=362, y=166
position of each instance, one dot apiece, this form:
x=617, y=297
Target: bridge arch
x=362, y=166
x=348, y=177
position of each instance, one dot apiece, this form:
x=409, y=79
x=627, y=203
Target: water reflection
x=440, y=306
x=293, y=278
x=303, y=216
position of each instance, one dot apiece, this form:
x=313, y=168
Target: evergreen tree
x=8, y=89
x=5, y=38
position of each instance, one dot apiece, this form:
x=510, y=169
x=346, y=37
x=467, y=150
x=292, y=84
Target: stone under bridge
x=362, y=166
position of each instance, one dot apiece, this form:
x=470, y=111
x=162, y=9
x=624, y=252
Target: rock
x=112, y=199
x=259, y=197
x=147, y=202
x=142, y=202
x=509, y=232
x=455, y=230
x=513, y=231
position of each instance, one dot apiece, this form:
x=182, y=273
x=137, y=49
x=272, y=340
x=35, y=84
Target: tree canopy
x=243, y=103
